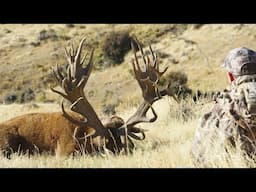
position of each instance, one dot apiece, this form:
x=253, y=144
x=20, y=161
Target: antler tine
x=72, y=48
x=82, y=61
x=61, y=80
x=57, y=74
x=154, y=56
x=58, y=92
x=135, y=61
x=85, y=72
x=148, y=81
x=67, y=54
x=155, y=63
x=152, y=53
x=148, y=61
x=140, y=115
x=78, y=52
x=79, y=70
x=154, y=115
x=136, y=70
x=70, y=118
x=73, y=57
x=132, y=135
x=142, y=52
x=57, y=69
x=73, y=83
x=161, y=73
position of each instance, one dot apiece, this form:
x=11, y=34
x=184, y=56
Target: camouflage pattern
x=240, y=61
x=232, y=118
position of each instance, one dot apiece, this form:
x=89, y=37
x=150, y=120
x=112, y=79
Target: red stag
x=80, y=128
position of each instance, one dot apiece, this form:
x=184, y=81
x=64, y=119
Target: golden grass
x=169, y=139
x=167, y=144
x=200, y=61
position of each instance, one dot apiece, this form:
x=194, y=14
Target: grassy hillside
x=28, y=51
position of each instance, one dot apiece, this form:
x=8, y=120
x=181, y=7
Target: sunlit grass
x=167, y=144
x=169, y=139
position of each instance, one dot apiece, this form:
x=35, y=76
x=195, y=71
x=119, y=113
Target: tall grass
x=167, y=144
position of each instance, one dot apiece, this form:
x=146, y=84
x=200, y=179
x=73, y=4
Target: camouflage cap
x=237, y=58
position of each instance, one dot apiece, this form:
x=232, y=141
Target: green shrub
x=181, y=91
x=26, y=95
x=50, y=34
x=41, y=97
x=176, y=77
x=178, y=83
x=116, y=45
x=10, y=98
x=20, y=96
x=109, y=109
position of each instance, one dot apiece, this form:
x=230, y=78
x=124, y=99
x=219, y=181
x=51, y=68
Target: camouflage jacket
x=232, y=118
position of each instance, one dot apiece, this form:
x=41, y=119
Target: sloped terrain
x=28, y=51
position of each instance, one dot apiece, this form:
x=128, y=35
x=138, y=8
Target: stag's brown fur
x=51, y=132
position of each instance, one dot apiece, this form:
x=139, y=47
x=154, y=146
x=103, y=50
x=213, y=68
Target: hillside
x=28, y=51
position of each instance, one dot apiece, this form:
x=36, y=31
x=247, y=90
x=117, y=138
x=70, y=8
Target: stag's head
x=117, y=134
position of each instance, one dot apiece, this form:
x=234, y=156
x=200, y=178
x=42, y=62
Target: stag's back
x=43, y=130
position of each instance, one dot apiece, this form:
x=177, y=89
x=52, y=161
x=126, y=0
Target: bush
x=69, y=25
x=50, y=34
x=10, y=98
x=182, y=91
x=109, y=109
x=22, y=96
x=178, y=83
x=26, y=96
x=116, y=45
x=204, y=95
x=177, y=77
x=41, y=97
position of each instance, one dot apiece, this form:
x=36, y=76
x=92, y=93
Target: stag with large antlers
x=80, y=128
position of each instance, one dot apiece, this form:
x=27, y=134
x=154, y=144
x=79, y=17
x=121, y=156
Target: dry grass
x=167, y=144
x=199, y=53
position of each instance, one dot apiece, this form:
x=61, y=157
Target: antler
x=73, y=83
x=148, y=79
